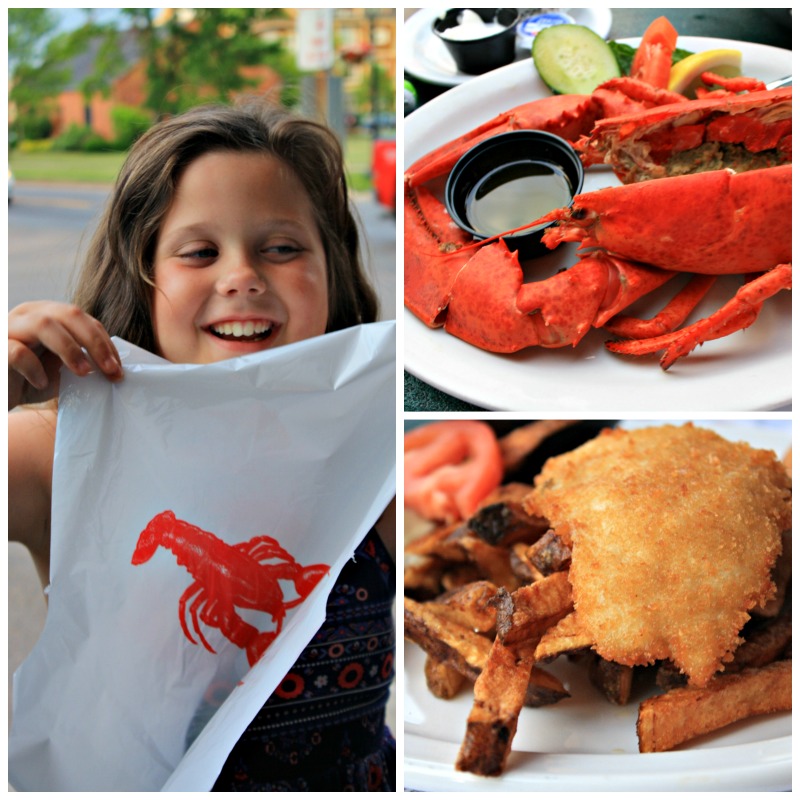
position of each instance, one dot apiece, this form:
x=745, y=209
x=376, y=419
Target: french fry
x=460, y=575
x=458, y=544
x=422, y=578
x=507, y=493
x=766, y=643
x=549, y=554
x=566, y=637
x=442, y=542
x=466, y=652
x=685, y=713
x=614, y=681
x=522, y=565
x=527, y=613
x=544, y=689
x=501, y=519
x=450, y=643
x=442, y=680
x=492, y=562
x=470, y=605
x=500, y=692
x=518, y=444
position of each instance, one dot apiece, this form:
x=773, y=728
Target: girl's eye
x=283, y=251
x=201, y=253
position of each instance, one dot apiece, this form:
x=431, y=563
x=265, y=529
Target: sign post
x=315, y=50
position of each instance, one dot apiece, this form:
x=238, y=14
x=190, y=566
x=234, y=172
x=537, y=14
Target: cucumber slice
x=572, y=59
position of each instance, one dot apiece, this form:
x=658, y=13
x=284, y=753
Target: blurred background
x=85, y=83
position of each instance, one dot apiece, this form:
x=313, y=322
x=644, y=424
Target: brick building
x=362, y=37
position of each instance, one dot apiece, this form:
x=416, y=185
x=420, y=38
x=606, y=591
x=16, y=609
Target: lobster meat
x=244, y=575
x=729, y=131
x=721, y=206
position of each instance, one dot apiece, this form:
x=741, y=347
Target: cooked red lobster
x=720, y=205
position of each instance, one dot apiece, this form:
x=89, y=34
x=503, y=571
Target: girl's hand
x=44, y=335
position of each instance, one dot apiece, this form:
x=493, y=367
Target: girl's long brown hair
x=115, y=284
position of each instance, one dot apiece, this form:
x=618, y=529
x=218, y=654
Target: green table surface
x=772, y=26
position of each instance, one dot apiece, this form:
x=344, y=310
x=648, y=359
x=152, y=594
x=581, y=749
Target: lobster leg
x=262, y=548
x=731, y=85
x=595, y=290
x=737, y=314
x=569, y=116
x=195, y=588
x=669, y=318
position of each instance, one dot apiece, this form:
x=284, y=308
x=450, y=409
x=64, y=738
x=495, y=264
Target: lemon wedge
x=684, y=77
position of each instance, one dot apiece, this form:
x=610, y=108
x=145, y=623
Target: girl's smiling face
x=239, y=263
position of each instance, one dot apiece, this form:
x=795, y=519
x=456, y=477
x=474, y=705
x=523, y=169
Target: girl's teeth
x=248, y=328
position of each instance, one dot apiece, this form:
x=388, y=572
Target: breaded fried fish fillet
x=673, y=531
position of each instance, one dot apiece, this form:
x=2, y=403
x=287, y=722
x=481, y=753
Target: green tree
x=35, y=73
x=199, y=60
x=39, y=62
x=376, y=92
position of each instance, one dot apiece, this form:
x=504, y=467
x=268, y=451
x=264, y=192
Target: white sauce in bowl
x=470, y=27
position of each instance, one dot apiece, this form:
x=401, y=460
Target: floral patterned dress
x=324, y=727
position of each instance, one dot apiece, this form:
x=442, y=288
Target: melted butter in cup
x=509, y=181
x=515, y=194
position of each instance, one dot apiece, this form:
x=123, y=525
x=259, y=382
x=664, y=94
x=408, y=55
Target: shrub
x=73, y=138
x=35, y=145
x=81, y=138
x=129, y=124
x=95, y=143
x=33, y=126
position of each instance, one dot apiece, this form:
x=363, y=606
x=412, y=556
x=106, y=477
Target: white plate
x=586, y=744
x=750, y=370
x=426, y=57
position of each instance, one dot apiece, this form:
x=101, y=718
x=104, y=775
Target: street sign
x=314, y=39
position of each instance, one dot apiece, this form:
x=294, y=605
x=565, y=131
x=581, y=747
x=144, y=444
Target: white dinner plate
x=426, y=57
x=584, y=743
x=748, y=371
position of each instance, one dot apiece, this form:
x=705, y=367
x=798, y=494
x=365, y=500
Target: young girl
x=228, y=232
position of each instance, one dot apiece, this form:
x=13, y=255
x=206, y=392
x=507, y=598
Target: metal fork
x=780, y=83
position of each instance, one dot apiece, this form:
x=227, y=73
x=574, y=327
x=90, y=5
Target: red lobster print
x=227, y=576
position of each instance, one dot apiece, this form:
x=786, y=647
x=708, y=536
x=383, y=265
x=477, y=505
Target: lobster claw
x=309, y=578
x=482, y=306
x=435, y=252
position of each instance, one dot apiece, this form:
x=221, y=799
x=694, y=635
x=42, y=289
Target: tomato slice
x=449, y=467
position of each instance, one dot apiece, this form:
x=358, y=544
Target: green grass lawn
x=63, y=167
x=358, y=160
x=66, y=167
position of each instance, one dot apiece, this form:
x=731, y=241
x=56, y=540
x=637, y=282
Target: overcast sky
x=75, y=17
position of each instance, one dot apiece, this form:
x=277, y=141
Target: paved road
x=49, y=228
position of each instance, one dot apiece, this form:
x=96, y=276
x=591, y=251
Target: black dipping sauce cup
x=476, y=56
x=501, y=159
